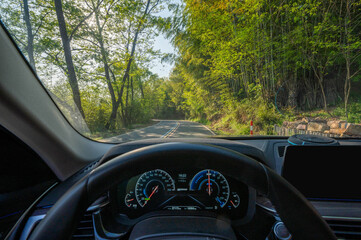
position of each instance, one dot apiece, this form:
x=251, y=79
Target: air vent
x=281, y=151
x=346, y=229
x=85, y=229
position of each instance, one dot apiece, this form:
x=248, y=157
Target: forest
x=234, y=61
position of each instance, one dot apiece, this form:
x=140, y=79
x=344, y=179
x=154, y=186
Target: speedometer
x=152, y=186
x=212, y=186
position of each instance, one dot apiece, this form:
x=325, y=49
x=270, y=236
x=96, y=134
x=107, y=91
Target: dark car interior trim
x=35, y=118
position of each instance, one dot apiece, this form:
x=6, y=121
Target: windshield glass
x=122, y=70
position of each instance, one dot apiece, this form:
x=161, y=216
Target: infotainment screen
x=325, y=172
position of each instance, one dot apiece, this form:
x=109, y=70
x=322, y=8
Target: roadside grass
x=236, y=118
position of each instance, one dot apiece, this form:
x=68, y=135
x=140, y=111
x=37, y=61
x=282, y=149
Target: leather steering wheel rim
x=300, y=217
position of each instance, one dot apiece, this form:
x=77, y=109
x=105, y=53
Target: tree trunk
x=115, y=104
x=320, y=77
x=132, y=89
x=347, y=85
x=141, y=88
x=68, y=56
x=292, y=93
x=30, y=44
x=320, y=81
x=126, y=110
x=131, y=101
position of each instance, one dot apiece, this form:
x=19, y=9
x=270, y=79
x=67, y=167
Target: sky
x=165, y=46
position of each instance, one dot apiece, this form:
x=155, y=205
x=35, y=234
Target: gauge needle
x=129, y=200
x=219, y=201
x=209, y=184
x=233, y=204
x=154, y=190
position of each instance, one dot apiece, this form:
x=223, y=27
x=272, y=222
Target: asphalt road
x=165, y=129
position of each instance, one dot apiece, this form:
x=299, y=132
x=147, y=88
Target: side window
x=23, y=178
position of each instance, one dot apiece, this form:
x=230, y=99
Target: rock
x=318, y=120
x=344, y=124
x=317, y=127
x=302, y=126
x=353, y=130
x=306, y=119
x=338, y=131
x=327, y=131
x=293, y=124
x=336, y=124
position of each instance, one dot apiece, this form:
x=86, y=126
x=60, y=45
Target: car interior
x=58, y=184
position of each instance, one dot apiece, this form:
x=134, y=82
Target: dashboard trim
x=30, y=225
x=342, y=218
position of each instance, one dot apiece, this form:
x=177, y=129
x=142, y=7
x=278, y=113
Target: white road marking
x=208, y=129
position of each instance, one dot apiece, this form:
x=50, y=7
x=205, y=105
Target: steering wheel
x=300, y=217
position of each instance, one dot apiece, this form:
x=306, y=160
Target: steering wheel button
x=281, y=232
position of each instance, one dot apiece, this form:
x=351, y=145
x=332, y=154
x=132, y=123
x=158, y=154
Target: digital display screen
x=181, y=189
x=325, y=172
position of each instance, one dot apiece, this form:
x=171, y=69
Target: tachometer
x=152, y=186
x=212, y=186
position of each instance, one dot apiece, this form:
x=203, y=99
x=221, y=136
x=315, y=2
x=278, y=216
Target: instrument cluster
x=174, y=190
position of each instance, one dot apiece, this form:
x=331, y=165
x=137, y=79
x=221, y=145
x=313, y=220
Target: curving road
x=165, y=129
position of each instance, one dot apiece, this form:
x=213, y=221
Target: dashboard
x=176, y=190
x=195, y=190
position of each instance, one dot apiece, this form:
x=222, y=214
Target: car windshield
x=122, y=70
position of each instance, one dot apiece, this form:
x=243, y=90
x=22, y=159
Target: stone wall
x=331, y=128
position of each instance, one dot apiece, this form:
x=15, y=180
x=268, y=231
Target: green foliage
x=235, y=56
x=355, y=112
x=239, y=115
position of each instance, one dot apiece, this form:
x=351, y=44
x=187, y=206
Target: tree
x=140, y=25
x=350, y=46
x=30, y=43
x=24, y=39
